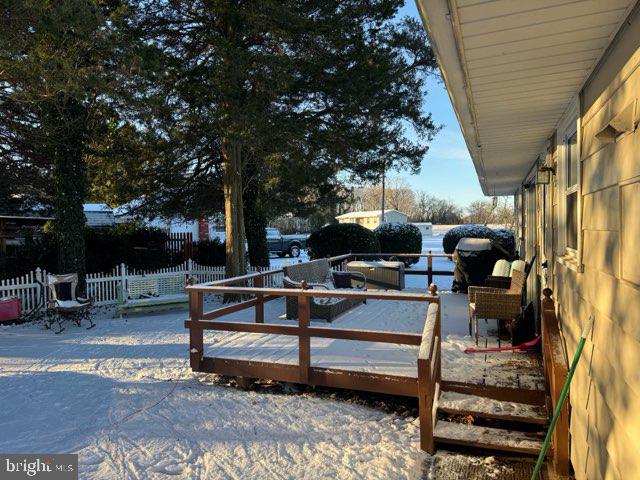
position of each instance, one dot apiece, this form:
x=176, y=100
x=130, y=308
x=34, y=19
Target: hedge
x=400, y=238
x=141, y=248
x=341, y=238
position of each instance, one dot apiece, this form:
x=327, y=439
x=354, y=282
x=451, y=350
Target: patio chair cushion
x=502, y=268
x=70, y=304
x=518, y=265
x=326, y=300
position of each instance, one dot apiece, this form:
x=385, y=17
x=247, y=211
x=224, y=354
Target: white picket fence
x=106, y=288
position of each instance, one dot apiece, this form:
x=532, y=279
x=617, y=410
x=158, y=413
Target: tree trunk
x=233, y=210
x=256, y=226
x=70, y=186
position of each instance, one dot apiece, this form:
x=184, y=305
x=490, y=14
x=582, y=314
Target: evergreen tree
x=61, y=64
x=294, y=96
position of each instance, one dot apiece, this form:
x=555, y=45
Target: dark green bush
x=400, y=238
x=141, y=248
x=210, y=252
x=507, y=239
x=342, y=238
x=502, y=236
x=36, y=252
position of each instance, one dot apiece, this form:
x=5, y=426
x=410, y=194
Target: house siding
x=605, y=393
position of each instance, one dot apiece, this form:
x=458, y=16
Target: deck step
x=450, y=433
x=477, y=406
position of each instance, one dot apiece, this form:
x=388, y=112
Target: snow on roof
x=368, y=213
x=25, y=217
x=97, y=207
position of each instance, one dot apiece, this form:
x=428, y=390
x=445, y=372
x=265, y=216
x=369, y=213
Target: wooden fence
x=555, y=372
x=181, y=242
x=106, y=288
x=424, y=386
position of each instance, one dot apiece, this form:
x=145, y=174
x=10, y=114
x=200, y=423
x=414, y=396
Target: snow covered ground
x=122, y=395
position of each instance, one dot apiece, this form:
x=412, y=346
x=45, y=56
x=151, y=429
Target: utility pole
x=383, y=177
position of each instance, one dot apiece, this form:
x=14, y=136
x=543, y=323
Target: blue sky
x=447, y=170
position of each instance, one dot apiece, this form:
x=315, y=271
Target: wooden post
x=258, y=282
x=304, y=341
x=429, y=268
x=556, y=374
x=196, y=336
x=438, y=333
x=547, y=301
x=425, y=406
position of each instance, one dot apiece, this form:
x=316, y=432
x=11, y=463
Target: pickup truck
x=283, y=245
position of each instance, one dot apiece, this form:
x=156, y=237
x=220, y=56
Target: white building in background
x=372, y=218
x=426, y=228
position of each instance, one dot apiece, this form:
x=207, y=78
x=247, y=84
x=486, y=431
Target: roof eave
x=436, y=17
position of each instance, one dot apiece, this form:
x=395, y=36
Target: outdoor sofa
x=317, y=274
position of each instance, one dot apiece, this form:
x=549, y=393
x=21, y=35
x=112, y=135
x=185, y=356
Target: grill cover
x=474, y=259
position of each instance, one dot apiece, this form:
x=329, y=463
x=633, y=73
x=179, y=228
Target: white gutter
x=438, y=22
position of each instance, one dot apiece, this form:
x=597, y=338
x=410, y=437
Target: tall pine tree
x=291, y=96
x=61, y=64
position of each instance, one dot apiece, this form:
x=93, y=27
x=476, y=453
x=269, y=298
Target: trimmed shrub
x=507, y=239
x=503, y=236
x=341, y=238
x=400, y=238
x=210, y=252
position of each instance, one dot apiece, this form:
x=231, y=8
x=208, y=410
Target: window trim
x=570, y=125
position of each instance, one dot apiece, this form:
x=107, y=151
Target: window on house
x=572, y=159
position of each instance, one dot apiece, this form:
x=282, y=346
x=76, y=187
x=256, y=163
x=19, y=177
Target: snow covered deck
x=372, y=357
x=515, y=370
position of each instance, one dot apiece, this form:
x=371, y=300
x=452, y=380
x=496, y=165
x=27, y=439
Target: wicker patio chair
x=496, y=303
x=65, y=304
x=317, y=274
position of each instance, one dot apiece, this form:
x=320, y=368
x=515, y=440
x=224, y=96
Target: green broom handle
x=563, y=396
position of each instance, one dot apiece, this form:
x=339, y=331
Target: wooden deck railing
x=429, y=272
x=425, y=385
x=555, y=371
x=429, y=376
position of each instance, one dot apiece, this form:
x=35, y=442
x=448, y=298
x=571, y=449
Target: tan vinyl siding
x=605, y=394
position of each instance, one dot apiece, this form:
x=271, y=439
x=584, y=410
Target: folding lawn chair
x=65, y=304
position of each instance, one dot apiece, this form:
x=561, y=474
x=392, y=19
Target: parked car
x=283, y=245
